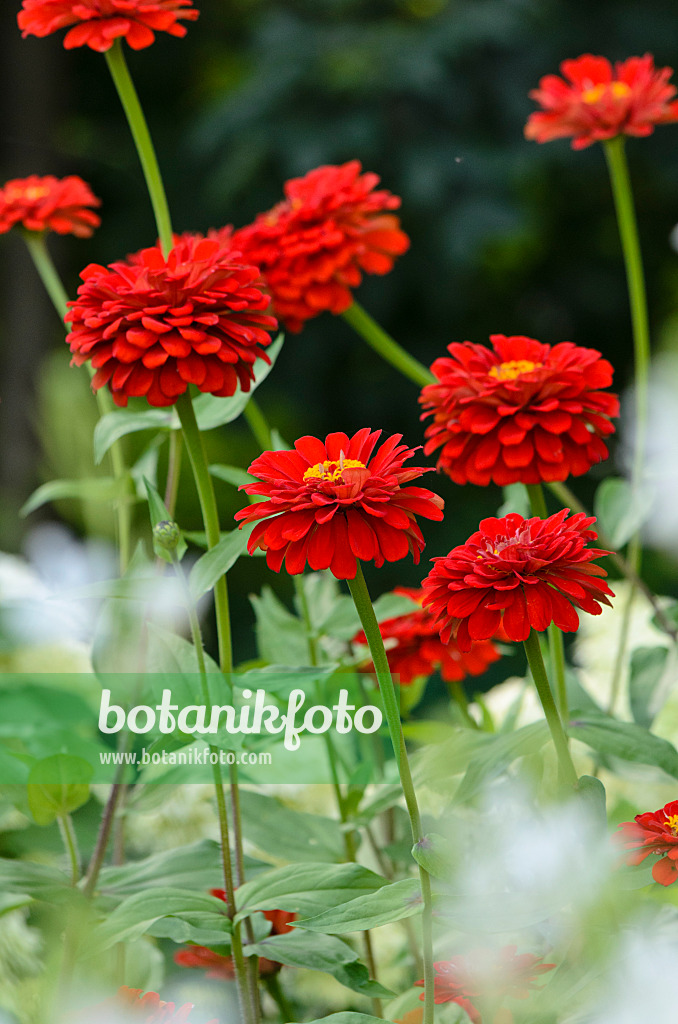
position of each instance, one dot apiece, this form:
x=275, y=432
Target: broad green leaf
x=173, y=655
x=591, y=793
x=280, y=680
x=57, y=786
x=299, y=949
x=516, y=499
x=106, y=489
x=159, y=514
x=499, y=751
x=648, y=667
x=307, y=888
x=232, y=475
x=41, y=881
x=216, y=562
x=281, y=636
x=287, y=834
x=392, y=902
x=434, y=855
x=115, y=425
x=626, y=740
x=135, y=915
x=198, y=865
x=211, y=411
x=620, y=509
x=343, y=621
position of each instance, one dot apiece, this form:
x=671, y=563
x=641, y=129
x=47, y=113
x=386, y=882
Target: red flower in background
x=654, y=832
x=49, y=203
x=218, y=965
x=314, y=246
x=151, y=326
x=414, y=648
x=521, y=412
x=594, y=101
x=333, y=502
x=522, y=573
x=486, y=973
x=98, y=23
x=129, y=1004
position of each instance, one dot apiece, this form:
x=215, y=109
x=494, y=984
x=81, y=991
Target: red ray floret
x=414, y=648
x=151, y=326
x=654, y=832
x=132, y=1004
x=334, y=501
x=520, y=573
x=520, y=412
x=98, y=23
x=595, y=100
x=49, y=204
x=314, y=246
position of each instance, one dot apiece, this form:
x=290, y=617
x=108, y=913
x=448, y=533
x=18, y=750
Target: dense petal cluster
x=487, y=974
x=520, y=412
x=332, y=502
x=151, y=326
x=414, y=648
x=654, y=832
x=522, y=573
x=314, y=246
x=131, y=1004
x=49, y=204
x=594, y=101
x=98, y=23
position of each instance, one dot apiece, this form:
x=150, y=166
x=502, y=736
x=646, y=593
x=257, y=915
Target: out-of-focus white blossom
x=20, y=958
x=182, y=815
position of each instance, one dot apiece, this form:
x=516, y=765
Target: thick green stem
x=535, y=661
x=361, y=598
x=173, y=471
x=258, y=424
x=39, y=253
x=389, y=349
x=117, y=65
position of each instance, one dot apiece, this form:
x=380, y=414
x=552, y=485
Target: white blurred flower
x=20, y=950
x=183, y=815
x=515, y=697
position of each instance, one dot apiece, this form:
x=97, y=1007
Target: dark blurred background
x=507, y=236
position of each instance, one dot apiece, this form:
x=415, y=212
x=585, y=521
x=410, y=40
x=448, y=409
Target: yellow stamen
x=512, y=369
x=672, y=822
x=331, y=471
x=31, y=194
x=618, y=91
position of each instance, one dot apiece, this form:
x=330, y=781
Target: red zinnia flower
x=328, y=503
x=653, y=832
x=49, y=203
x=98, y=23
x=594, y=101
x=129, y=1004
x=488, y=974
x=314, y=246
x=523, y=413
x=414, y=648
x=522, y=573
x=218, y=965
x=151, y=326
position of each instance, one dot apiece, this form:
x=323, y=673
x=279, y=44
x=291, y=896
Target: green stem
x=71, y=845
x=361, y=598
x=389, y=349
x=258, y=424
x=457, y=693
x=39, y=253
x=117, y=65
x=535, y=661
x=275, y=990
x=173, y=472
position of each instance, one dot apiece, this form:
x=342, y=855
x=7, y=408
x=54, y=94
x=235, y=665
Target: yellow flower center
x=672, y=822
x=31, y=194
x=331, y=471
x=512, y=369
x=618, y=91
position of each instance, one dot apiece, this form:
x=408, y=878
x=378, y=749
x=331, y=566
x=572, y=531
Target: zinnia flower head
x=49, y=204
x=522, y=573
x=520, y=412
x=98, y=23
x=414, y=648
x=314, y=246
x=594, y=101
x=332, y=502
x=151, y=326
x=486, y=974
x=654, y=832
x=131, y=1004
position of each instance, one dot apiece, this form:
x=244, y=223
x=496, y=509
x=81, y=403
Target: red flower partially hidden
x=653, y=832
x=488, y=974
x=594, y=101
x=218, y=965
x=151, y=326
x=332, y=502
x=130, y=1004
x=521, y=412
x=522, y=573
x=98, y=23
x=314, y=246
x=414, y=648
x=49, y=204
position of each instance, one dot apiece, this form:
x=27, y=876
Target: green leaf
x=232, y=475
x=106, y=489
x=57, y=786
x=41, y=881
x=169, y=654
x=308, y=888
x=280, y=680
x=348, y=1017
x=287, y=834
x=620, y=509
x=626, y=740
x=198, y=865
x=281, y=636
x=591, y=793
x=433, y=853
x=216, y=562
x=498, y=752
x=648, y=667
x=211, y=411
x=137, y=913
x=392, y=902
x=299, y=949
x=115, y=425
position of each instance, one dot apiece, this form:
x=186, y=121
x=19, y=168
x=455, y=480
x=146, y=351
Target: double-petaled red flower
x=314, y=246
x=654, y=832
x=520, y=412
x=152, y=325
x=414, y=648
x=594, y=101
x=332, y=502
x=132, y=1004
x=520, y=573
x=487, y=974
x=49, y=204
x=98, y=23
x=218, y=965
